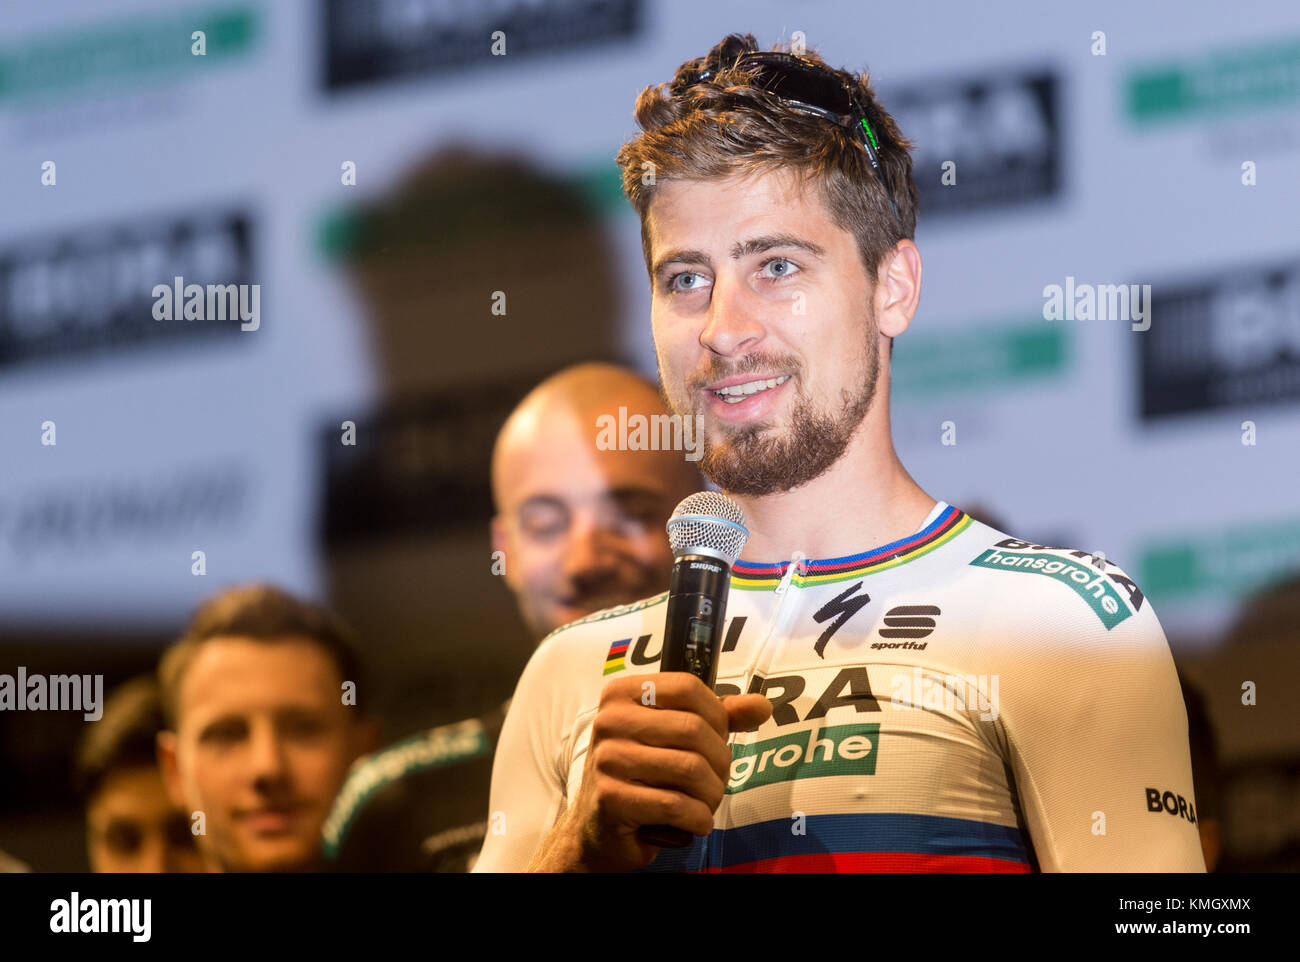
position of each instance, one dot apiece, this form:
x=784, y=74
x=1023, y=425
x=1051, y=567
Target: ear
x=898, y=288
x=169, y=768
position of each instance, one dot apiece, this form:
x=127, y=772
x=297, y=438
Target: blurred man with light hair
x=260, y=698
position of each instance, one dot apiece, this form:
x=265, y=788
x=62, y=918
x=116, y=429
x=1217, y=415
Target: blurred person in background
x=131, y=823
x=1247, y=687
x=463, y=270
x=1206, y=784
x=259, y=699
x=579, y=528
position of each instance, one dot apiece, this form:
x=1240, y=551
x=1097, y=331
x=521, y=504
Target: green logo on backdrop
x=145, y=47
x=1257, y=76
x=988, y=358
x=1229, y=563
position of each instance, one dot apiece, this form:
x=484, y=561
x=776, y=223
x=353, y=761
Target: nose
x=266, y=751
x=733, y=325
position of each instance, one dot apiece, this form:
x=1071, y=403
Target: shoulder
x=608, y=617
x=600, y=640
x=1070, y=586
x=377, y=781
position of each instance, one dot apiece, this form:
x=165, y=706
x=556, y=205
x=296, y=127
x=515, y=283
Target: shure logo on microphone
x=705, y=565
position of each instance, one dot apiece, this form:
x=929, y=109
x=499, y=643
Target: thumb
x=746, y=712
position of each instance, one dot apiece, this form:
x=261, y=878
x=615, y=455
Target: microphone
x=707, y=533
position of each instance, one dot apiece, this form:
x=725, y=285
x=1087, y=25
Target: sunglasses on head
x=806, y=86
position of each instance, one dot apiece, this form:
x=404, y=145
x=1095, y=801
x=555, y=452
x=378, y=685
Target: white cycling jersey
x=957, y=700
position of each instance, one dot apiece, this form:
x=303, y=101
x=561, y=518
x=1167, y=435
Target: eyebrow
x=755, y=245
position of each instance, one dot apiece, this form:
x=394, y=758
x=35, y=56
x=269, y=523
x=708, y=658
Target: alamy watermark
x=655, y=432
x=919, y=689
x=127, y=916
x=83, y=693
x=1098, y=302
x=215, y=302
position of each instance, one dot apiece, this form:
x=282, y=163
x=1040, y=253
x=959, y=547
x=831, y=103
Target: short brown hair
x=726, y=126
x=125, y=736
x=262, y=612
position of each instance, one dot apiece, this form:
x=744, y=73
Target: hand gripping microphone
x=707, y=533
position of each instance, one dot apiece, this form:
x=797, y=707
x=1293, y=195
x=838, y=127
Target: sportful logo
x=909, y=623
x=837, y=750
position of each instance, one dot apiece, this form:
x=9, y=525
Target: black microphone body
x=705, y=547
x=697, y=611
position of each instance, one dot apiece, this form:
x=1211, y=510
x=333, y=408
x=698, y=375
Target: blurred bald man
x=580, y=526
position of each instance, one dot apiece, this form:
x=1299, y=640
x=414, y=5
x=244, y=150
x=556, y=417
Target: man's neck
x=865, y=500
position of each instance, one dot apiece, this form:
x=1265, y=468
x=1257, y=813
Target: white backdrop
x=1122, y=168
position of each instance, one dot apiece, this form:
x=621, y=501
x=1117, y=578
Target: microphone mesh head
x=708, y=520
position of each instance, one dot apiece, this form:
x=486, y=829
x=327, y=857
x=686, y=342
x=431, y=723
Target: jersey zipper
x=785, y=604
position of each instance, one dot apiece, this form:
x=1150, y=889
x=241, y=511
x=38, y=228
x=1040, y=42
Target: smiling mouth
x=271, y=819
x=739, y=392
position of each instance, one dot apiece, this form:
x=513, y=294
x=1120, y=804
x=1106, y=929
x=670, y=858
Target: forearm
x=561, y=850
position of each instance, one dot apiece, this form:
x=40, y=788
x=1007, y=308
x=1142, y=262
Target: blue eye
x=675, y=287
x=788, y=266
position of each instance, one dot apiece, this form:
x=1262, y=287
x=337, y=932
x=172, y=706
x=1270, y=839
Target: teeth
x=738, y=392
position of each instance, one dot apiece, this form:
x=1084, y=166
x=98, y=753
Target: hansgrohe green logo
x=1086, y=581
x=838, y=750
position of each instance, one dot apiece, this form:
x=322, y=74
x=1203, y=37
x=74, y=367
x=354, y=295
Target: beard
x=761, y=459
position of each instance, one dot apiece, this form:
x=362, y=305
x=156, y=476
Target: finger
x=662, y=728
x=746, y=712
x=634, y=805
x=677, y=690
x=669, y=768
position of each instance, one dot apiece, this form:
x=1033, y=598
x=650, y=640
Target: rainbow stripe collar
x=749, y=576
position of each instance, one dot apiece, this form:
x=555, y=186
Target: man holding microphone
x=903, y=687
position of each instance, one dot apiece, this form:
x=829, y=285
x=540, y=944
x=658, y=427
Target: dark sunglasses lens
x=797, y=81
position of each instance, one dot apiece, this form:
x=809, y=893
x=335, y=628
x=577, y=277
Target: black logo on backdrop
x=393, y=39
x=419, y=465
x=1002, y=131
x=90, y=289
x=1222, y=341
